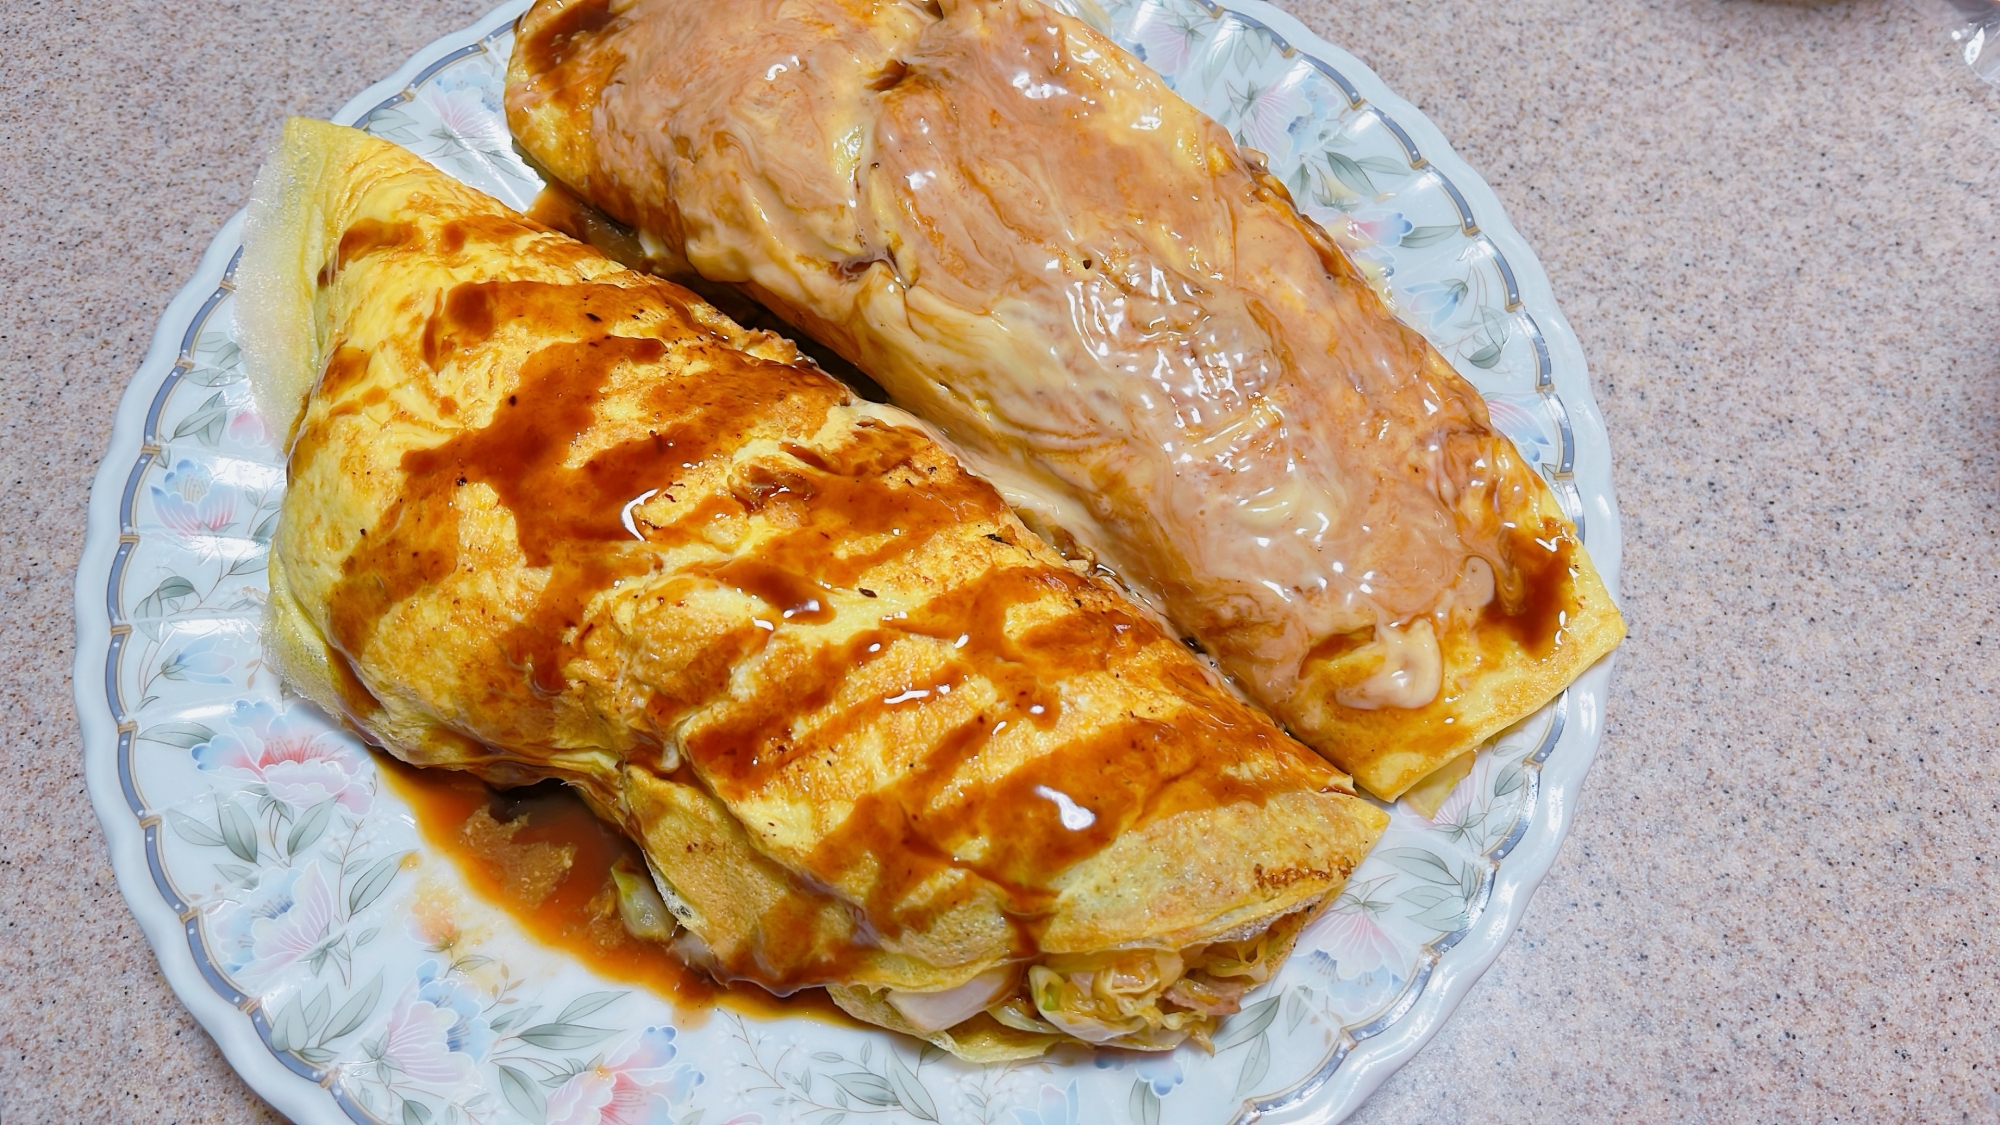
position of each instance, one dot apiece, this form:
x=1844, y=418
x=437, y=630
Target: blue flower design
x=234, y=932
x=1433, y=302
x=1161, y=1071
x=1053, y=1107
x=470, y=1034
x=188, y=503
x=1518, y=422
x=200, y=662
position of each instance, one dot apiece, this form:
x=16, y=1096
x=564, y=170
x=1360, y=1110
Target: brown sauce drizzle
x=907, y=832
x=835, y=516
x=943, y=101
x=347, y=367
x=356, y=701
x=567, y=519
x=579, y=914
x=366, y=236
x=1536, y=592
x=551, y=48
x=559, y=209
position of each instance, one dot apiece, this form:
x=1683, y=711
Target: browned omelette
x=551, y=517
x=1035, y=245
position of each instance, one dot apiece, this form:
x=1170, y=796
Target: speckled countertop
x=1772, y=226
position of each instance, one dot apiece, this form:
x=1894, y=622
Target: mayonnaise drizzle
x=1034, y=244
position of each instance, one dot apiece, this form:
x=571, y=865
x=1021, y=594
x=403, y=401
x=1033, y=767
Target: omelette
x=550, y=517
x=1118, y=315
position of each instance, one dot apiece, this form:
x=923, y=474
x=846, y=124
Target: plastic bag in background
x=1975, y=27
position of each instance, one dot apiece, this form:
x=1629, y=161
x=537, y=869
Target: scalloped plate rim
x=1365, y=1066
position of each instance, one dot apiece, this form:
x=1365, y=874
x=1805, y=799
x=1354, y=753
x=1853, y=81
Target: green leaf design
x=1485, y=357
x=870, y=1088
x=1420, y=863
x=1255, y=1065
x=827, y=1057
x=1251, y=47
x=1349, y=173
x=1420, y=237
x=586, y=1004
x=1248, y=1024
x=192, y=830
x=1443, y=919
x=288, y=1030
x=560, y=1076
x=1511, y=778
x=1386, y=165
x=310, y=827
x=416, y=1113
x=206, y=421
x=909, y=1090
x=564, y=1036
x=1217, y=60
x=165, y=599
x=316, y=1011
x=204, y=375
x=1295, y=1010
x=238, y=833
x=1423, y=898
x=265, y=528
x=1144, y=1106
x=522, y=1096
x=373, y=882
x=217, y=343
x=393, y=124
x=511, y=1018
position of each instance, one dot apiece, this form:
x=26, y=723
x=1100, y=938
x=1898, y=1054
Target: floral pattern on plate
x=350, y=975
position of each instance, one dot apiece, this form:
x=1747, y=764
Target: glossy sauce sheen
x=580, y=914
x=1035, y=245
x=807, y=527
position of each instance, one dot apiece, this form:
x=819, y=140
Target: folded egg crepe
x=1119, y=316
x=549, y=517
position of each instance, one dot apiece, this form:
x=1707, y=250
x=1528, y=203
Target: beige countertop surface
x=1773, y=227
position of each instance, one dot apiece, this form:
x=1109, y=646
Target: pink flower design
x=296, y=929
x=417, y=1044
x=465, y=115
x=1379, y=228
x=1267, y=114
x=297, y=762
x=249, y=429
x=634, y=1088
x=1370, y=234
x=188, y=503
x=1164, y=39
x=1351, y=943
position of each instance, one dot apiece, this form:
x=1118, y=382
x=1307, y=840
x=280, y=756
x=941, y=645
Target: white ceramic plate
x=280, y=882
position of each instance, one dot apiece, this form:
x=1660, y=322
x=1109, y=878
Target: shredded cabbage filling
x=1146, y=999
